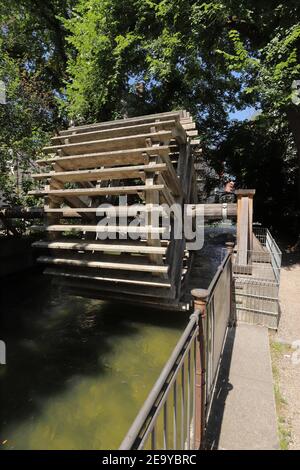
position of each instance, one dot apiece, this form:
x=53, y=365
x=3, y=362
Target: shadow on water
x=66, y=353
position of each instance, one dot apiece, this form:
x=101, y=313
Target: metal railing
x=256, y=276
x=265, y=238
x=174, y=414
x=219, y=309
x=260, y=265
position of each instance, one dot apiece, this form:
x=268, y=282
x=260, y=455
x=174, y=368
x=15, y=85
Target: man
x=228, y=192
x=225, y=193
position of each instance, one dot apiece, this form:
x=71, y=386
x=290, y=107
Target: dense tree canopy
x=93, y=60
x=32, y=66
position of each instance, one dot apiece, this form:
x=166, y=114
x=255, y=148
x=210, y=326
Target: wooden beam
x=111, y=159
x=109, y=247
x=113, y=132
x=96, y=191
x=100, y=229
x=121, y=122
x=118, y=279
x=244, y=225
x=118, y=143
x=127, y=172
x=80, y=263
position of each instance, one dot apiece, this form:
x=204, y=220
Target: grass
x=284, y=432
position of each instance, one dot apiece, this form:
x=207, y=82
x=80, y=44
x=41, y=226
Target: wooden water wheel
x=150, y=161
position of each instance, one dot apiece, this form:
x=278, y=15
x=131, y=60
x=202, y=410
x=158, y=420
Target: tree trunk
x=293, y=115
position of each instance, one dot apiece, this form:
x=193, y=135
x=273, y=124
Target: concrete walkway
x=289, y=332
x=243, y=415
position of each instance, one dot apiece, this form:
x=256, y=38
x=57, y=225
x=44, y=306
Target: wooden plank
x=111, y=159
x=119, y=279
x=100, y=228
x=87, y=246
x=176, y=115
x=192, y=133
x=215, y=211
x=113, y=132
x=125, y=172
x=128, y=142
x=96, y=191
x=189, y=126
x=103, y=265
x=124, y=211
x=243, y=220
x=171, y=177
x=152, y=200
x=91, y=288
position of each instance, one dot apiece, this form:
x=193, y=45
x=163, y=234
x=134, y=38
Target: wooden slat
x=176, y=115
x=88, y=246
x=118, y=279
x=191, y=125
x=92, y=288
x=96, y=191
x=113, y=132
x=126, y=172
x=103, y=265
x=129, y=142
x=125, y=211
x=112, y=159
x=100, y=229
x=192, y=133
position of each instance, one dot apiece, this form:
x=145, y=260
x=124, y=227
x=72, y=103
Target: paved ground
x=243, y=415
x=289, y=331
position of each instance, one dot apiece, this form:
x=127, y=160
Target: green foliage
x=261, y=154
x=270, y=74
x=103, y=59
x=32, y=63
x=120, y=44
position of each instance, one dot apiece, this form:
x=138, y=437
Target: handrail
x=151, y=400
x=217, y=275
x=202, y=358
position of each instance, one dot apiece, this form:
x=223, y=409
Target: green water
x=77, y=370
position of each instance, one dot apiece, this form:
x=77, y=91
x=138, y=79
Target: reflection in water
x=77, y=370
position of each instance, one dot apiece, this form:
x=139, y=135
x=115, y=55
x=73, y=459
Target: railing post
x=244, y=224
x=200, y=302
x=229, y=247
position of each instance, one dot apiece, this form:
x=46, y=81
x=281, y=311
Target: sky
x=244, y=114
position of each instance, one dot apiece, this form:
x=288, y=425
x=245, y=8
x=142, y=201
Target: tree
x=32, y=67
x=262, y=152
x=264, y=47
x=163, y=44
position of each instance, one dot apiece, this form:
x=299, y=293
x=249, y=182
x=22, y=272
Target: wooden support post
x=152, y=201
x=200, y=302
x=244, y=224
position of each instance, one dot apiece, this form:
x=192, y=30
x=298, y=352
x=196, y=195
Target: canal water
x=78, y=370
